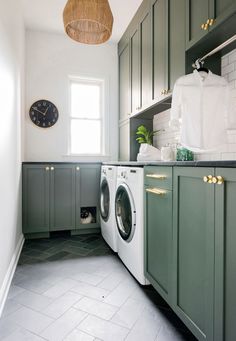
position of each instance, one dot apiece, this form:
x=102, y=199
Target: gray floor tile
x=23, y=335
x=59, y=306
x=14, y=291
x=104, y=330
x=94, y=307
x=10, y=307
x=121, y=293
x=59, y=329
x=60, y=288
x=90, y=291
x=31, y=320
x=87, y=278
x=112, y=281
x=31, y=300
x=77, y=335
x=128, y=314
x=35, y=285
x=7, y=327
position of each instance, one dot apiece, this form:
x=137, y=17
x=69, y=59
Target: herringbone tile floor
x=76, y=288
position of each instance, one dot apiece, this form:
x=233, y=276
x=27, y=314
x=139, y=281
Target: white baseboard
x=4, y=289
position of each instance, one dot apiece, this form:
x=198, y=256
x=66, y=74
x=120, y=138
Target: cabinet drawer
x=159, y=176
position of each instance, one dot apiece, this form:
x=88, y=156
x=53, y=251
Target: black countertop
x=223, y=164
x=60, y=162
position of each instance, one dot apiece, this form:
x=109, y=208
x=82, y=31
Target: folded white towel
x=148, y=153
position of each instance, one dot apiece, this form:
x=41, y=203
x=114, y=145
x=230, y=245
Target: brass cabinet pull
x=220, y=180
x=47, y=168
x=156, y=191
x=52, y=168
x=156, y=176
x=77, y=168
x=211, y=22
x=204, y=26
x=208, y=179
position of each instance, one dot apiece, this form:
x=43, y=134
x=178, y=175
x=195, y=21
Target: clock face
x=43, y=113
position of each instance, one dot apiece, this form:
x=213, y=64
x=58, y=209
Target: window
x=86, y=117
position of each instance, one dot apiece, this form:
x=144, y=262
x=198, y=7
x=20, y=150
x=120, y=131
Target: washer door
x=104, y=200
x=125, y=212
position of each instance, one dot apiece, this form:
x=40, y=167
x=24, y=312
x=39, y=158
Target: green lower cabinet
x=225, y=260
x=55, y=195
x=193, y=248
x=158, y=236
x=36, y=198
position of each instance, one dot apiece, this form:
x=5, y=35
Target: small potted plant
x=146, y=150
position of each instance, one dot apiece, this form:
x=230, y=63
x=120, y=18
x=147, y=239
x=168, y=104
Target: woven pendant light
x=88, y=21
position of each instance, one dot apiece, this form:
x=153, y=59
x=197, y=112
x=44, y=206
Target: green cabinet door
x=225, y=263
x=62, y=197
x=35, y=198
x=159, y=10
x=124, y=83
x=220, y=10
x=193, y=235
x=158, y=240
x=87, y=193
x=146, y=58
x=135, y=70
x=197, y=14
x=177, y=31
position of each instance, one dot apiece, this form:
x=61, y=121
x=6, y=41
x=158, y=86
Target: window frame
x=89, y=81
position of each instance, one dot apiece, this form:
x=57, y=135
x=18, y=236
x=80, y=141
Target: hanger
x=200, y=67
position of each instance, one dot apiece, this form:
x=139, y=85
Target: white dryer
x=107, y=205
x=130, y=220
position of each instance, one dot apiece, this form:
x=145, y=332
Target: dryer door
x=104, y=200
x=125, y=212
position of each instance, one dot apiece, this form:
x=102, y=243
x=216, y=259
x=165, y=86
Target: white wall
x=11, y=95
x=228, y=151
x=50, y=59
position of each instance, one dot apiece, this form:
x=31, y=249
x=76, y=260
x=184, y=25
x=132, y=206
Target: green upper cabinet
x=193, y=236
x=36, y=198
x=146, y=58
x=159, y=9
x=135, y=70
x=177, y=31
x=124, y=82
x=62, y=197
x=204, y=15
x=197, y=14
x=220, y=10
x=225, y=262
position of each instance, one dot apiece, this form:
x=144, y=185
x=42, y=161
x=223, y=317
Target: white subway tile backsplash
x=226, y=152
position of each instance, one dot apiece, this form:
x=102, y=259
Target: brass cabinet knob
x=208, y=179
x=202, y=26
x=211, y=22
x=77, y=168
x=220, y=180
x=47, y=168
x=214, y=180
x=52, y=168
x=205, y=27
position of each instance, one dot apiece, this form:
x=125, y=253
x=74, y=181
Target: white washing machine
x=130, y=220
x=107, y=205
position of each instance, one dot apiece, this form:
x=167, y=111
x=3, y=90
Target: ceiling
x=46, y=15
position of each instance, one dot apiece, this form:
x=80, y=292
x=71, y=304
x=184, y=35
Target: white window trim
x=103, y=119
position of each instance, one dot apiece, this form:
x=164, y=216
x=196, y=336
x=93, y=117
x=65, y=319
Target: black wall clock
x=43, y=113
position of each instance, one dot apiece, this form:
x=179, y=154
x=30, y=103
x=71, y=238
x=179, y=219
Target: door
x=135, y=70
x=193, y=236
x=225, y=262
x=177, y=31
x=197, y=14
x=104, y=200
x=146, y=58
x=35, y=198
x=62, y=197
x=160, y=48
x=220, y=10
x=87, y=195
x=158, y=239
x=125, y=213
x=124, y=83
